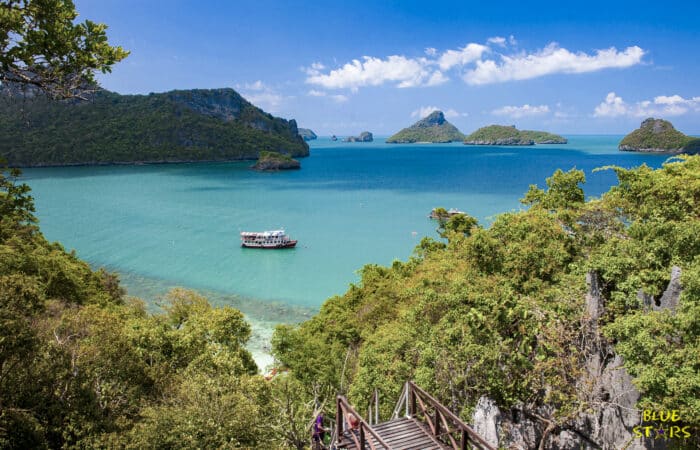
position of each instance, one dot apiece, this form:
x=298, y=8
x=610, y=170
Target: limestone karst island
x=659, y=136
x=433, y=129
x=342, y=226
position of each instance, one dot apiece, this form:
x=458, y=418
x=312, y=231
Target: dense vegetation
x=194, y=125
x=84, y=366
x=658, y=135
x=43, y=46
x=509, y=135
x=495, y=311
x=433, y=128
x=501, y=311
x=275, y=161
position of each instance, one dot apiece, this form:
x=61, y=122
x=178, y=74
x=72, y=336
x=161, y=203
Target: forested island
x=108, y=128
x=659, y=136
x=509, y=135
x=273, y=162
x=433, y=129
x=542, y=318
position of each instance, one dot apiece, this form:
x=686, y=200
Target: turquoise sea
x=351, y=204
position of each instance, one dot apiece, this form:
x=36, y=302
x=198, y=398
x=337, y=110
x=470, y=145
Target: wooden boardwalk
x=403, y=433
x=426, y=425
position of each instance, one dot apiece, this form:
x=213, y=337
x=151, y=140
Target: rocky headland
x=109, y=128
x=659, y=136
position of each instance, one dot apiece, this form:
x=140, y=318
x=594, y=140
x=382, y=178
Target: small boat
x=437, y=214
x=266, y=239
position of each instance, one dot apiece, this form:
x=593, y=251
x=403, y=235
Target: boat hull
x=290, y=244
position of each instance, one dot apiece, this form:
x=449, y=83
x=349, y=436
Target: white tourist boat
x=266, y=239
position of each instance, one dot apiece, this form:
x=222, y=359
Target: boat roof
x=263, y=233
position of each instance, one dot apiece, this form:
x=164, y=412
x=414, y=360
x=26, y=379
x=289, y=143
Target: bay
x=351, y=204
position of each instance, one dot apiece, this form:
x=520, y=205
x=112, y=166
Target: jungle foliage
x=496, y=311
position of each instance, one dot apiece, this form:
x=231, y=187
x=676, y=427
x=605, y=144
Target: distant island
x=365, y=136
x=108, y=128
x=433, y=129
x=659, y=136
x=307, y=134
x=509, y=135
x=273, y=161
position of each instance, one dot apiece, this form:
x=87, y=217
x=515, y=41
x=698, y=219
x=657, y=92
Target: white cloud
x=498, y=40
x=424, y=111
x=437, y=78
x=255, y=86
x=371, y=71
x=550, y=60
x=517, y=112
x=317, y=66
x=478, y=63
x=465, y=55
x=338, y=98
x=662, y=105
x=262, y=96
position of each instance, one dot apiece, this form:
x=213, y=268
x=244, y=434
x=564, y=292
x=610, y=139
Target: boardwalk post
x=437, y=422
x=411, y=401
x=362, y=437
x=376, y=406
x=339, y=419
x=463, y=444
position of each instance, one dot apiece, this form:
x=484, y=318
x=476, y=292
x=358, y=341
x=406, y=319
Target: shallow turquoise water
x=351, y=204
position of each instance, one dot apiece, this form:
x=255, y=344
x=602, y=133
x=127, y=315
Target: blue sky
x=345, y=67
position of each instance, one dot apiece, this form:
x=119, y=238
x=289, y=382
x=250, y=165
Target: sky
x=341, y=67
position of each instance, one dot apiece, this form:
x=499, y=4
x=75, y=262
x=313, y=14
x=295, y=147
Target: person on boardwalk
x=319, y=433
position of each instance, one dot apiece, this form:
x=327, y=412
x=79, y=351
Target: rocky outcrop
x=604, y=383
x=306, y=134
x=659, y=136
x=273, y=162
x=365, y=136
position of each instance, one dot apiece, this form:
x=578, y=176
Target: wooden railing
x=444, y=425
x=361, y=442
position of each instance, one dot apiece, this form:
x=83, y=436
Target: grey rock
x=672, y=294
x=365, y=136
x=594, y=298
x=487, y=420
x=307, y=134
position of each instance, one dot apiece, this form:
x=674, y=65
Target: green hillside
x=193, y=125
x=509, y=135
x=658, y=135
x=434, y=129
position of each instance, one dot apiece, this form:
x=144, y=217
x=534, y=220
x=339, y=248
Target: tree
x=41, y=46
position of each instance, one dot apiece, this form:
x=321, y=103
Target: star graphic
x=660, y=433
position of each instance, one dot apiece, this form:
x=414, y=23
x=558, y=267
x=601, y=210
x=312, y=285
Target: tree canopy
x=42, y=46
